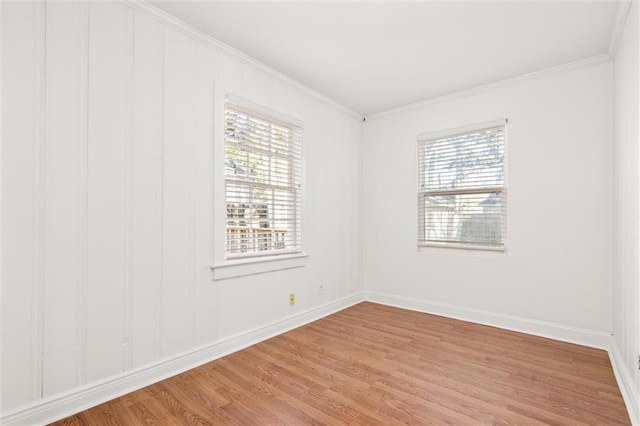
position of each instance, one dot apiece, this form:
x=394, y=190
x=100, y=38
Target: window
x=262, y=183
x=461, y=188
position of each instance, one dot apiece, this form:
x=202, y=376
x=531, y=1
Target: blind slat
x=263, y=175
x=461, y=189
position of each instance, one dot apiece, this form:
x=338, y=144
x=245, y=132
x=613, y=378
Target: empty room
x=320, y=212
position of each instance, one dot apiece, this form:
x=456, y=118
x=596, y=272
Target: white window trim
x=459, y=248
x=222, y=267
x=253, y=265
x=462, y=129
x=262, y=110
x=463, y=251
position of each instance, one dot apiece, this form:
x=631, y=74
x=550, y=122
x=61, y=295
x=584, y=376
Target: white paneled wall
x=23, y=60
x=147, y=190
x=65, y=194
x=626, y=283
x=108, y=166
x=555, y=276
x=111, y=141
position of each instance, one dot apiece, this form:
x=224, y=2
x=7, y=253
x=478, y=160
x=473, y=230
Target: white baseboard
x=629, y=393
x=60, y=406
x=51, y=409
x=550, y=330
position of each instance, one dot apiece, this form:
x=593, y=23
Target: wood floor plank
x=378, y=365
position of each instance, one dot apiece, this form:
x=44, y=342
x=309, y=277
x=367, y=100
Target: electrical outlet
x=292, y=299
x=321, y=288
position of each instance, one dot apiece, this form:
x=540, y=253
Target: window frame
x=295, y=185
x=423, y=139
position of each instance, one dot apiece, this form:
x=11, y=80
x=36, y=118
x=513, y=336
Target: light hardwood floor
x=374, y=364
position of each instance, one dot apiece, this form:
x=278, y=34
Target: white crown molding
x=62, y=405
x=598, y=59
x=618, y=27
x=221, y=47
x=629, y=393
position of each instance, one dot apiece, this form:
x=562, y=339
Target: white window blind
x=262, y=182
x=461, y=189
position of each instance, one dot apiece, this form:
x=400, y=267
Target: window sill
x=480, y=251
x=243, y=267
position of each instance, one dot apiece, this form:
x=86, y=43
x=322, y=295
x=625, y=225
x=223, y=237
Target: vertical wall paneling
x=354, y=272
x=205, y=290
x=626, y=324
x=112, y=155
x=219, y=212
x=354, y=211
x=345, y=199
x=39, y=201
x=83, y=189
x=159, y=293
x=179, y=126
x=147, y=189
x=108, y=56
x=346, y=225
x=1, y=210
x=334, y=215
x=62, y=260
x=313, y=136
x=17, y=203
x=127, y=330
x=359, y=149
x=191, y=186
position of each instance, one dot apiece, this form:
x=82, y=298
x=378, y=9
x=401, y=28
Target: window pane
x=262, y=170
x=464, y=161
x=464, y=218
x=461, y=187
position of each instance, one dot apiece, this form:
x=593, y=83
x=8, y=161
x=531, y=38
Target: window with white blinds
x=461, y=188
x=262, y=183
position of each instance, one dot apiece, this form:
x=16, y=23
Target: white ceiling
x=375, y=56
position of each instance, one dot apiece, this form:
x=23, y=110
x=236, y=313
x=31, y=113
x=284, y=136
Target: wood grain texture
x=374, y=364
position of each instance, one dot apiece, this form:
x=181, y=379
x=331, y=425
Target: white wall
x=558, y=264
x=111, y=117
x=626, y=318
